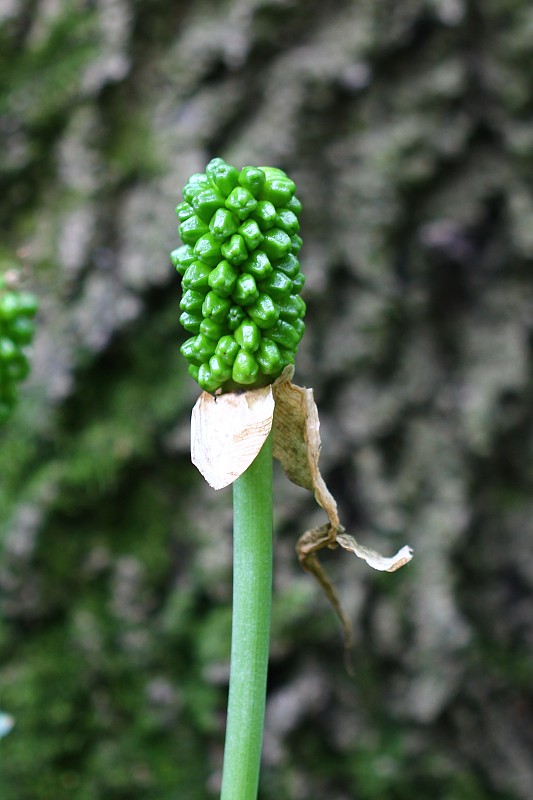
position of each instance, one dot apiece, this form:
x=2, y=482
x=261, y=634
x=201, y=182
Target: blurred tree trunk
x=407, y=128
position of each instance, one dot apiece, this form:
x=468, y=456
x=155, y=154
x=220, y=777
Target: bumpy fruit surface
x=241, y=276
x=17, y=327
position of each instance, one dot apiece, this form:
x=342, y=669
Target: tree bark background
x=407, y=128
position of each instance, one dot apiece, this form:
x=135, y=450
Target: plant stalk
x=252, y=594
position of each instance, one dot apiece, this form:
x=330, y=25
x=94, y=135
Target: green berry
x=264, y=214
x=248, y=335
x=223, y=278
x=191, y=322
x=234, y=250
x=276, y=243
x=190, y=353
x=245, y=368
x=195, y=184
x=9, y=306
x=277, y=285
x=269, y=357
x=8, y=350
x=258, y=265
x=236, y=314
x=206, y=203
x=182, y=258
x=253, y=179
x=191, y=229
x=264, y=312
x=285, y=335
x=215, y=307
x=192, y=301
x=227, y=349
x=241, y=202
x=184, y=211
x=204, y=347
x=250, y=232
x=246, y=291
x=211, y=329
x=219, y=369
x=197, y=277
x=241, y=275
x=207, y=249
x=223, y=224
x=287, y=221
x=21, y=330
x=291, y=307
x=207, y=380
x=222, y=176
x=289, y=265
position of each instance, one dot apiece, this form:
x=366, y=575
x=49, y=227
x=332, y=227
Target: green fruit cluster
x=17, y=327
x=241, y=276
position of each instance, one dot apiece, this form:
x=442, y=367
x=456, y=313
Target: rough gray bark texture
x=407, y=128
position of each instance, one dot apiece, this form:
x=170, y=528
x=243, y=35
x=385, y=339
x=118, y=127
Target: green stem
x=252, y=592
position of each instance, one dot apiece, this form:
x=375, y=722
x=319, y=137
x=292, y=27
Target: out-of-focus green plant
x=17, y=327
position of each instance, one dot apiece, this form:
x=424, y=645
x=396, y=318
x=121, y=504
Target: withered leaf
x=227, y=433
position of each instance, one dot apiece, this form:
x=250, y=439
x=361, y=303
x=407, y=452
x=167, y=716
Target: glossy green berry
x=206, y=379
x=277, y=285
x=222, y=176
x=206, y=203
x=251, y=234
x=21, y=329
x=258, y=265
x=184, y=211
x=276, y=243
x=219, y=369
x=196, y=277
x=191, y=229
x=264, y=312
x=234, y=250
x=269, y=357
x=245, y=369
x=241, y=275
x=211, y=329
x=248, y=335
x=195, y=184
x=241, y=202
x=246, y=291
x=223, y=224
x=227, y=349
x=291, y=307
x=208, y=250
x=264, y=214
x=289, y=265
x=287, y=221
x=191, y=301
x=298, y=283
x=204, y=347
x=215, y=307
x=285, y=335
x=223, y=278
x=253, y=179
x=236, y=314
x=191, y=322
x=277, y=190
x=188, y=351
x=182, y=258
x=8, y=350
